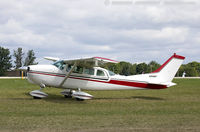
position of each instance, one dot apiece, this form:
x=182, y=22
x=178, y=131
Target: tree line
x=191, y=69
x=19, y=59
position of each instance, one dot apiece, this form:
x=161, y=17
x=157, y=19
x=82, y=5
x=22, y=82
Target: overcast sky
x=125, y=31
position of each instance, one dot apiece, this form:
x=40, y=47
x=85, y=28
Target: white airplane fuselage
x=50, y=75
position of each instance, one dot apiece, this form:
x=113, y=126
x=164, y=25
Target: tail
x=167, y=71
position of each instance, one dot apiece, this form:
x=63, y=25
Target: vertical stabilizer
x=168, y=70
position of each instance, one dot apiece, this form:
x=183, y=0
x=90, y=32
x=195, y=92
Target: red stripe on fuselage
x=126, y=83
x=138, y=84
x=116, y=82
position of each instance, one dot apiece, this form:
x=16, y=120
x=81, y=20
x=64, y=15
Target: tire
x=34, y=97
x=78, y=99
x=67, y=96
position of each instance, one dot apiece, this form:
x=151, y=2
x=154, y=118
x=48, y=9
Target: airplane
x=86, y=74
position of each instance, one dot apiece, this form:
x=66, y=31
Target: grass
x=173, y=109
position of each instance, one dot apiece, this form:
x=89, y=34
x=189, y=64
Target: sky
x=123, y=30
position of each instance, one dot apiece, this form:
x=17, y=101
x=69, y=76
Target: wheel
x=36, y=97
x=68, y=96
x=78, y=99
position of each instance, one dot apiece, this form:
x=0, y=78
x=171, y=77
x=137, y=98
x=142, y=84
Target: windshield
x=111, y=73
x=59, y=64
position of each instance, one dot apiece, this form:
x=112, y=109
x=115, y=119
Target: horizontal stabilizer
x=168, y=84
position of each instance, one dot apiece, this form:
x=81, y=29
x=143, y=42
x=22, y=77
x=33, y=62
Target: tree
x=152, y=66
x=195, y=65
x=5, y=60
x=190, y=72
x=125, y=68
x=141, y=68
x=30, y=58
x=112, y=67
x=133, y=69
x=18, y=54
x=181, y=70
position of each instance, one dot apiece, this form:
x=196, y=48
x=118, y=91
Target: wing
x=92, y=61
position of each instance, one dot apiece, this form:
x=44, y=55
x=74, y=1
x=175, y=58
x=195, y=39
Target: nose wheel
x=34, y=97
x=38, y=94
x=78, y=99
x=68, y=96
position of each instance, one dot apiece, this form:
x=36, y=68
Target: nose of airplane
x=33, y=68
x=42, y=68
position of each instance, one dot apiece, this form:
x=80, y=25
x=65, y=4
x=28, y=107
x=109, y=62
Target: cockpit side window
x=100, y=73
x=59, y=64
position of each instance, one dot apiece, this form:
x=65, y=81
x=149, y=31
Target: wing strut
x=67, y=75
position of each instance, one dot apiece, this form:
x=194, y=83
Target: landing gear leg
x=79, y=95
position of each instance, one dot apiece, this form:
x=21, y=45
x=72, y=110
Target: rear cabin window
x=69, y=67
x=89, y=71
x=100, y=73
x=78, y=69
x=111, y=73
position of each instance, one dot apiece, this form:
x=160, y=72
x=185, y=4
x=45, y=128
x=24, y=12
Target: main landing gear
x=79, y=95
x=67, y=93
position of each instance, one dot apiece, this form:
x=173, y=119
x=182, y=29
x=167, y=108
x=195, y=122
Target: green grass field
x=174, y=109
